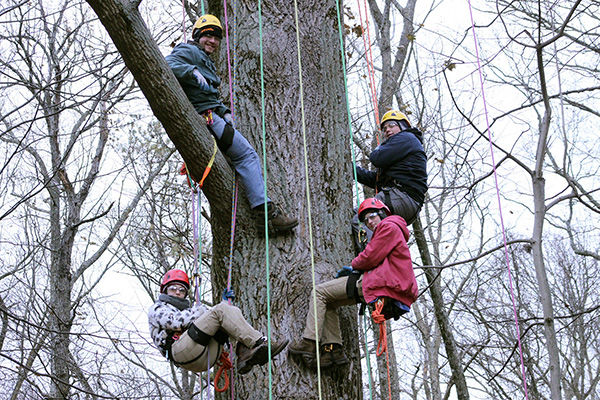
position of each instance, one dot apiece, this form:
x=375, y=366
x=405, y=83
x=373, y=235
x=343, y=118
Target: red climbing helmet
x=372, y=204
x=175, y=275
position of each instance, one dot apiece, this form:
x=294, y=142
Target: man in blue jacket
x=196, y=72
x=401, y=175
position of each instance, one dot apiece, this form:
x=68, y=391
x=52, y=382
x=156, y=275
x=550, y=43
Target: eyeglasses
x=371, y=215
x=389, y=124
x=177, y=289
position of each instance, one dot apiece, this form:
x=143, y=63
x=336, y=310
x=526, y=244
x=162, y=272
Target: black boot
x=333, y=354
x=304, y=347
x=258, y=354
x=278, y=222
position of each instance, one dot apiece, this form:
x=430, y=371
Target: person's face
x=176, y=290
x=209, y=43
x=390, y=128
x=372, y=219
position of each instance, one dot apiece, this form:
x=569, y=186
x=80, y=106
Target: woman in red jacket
x=382, y=269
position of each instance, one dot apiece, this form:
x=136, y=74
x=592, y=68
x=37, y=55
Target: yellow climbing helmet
x=393, y=115
x=207, y=24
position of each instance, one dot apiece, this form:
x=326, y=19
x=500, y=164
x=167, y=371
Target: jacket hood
x=415, y=132
x=400, y=222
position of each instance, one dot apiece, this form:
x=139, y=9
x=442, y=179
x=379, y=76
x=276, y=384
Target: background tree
x=530, y=89
x=60, y=88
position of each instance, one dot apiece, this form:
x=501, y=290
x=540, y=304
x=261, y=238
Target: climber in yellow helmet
x=197, y=74
x=401, y=174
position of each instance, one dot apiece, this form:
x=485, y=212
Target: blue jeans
x=245, y=161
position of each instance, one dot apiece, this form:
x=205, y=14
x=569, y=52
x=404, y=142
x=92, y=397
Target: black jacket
x=399, y=160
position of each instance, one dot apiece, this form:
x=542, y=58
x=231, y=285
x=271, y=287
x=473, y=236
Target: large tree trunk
x=328, y=178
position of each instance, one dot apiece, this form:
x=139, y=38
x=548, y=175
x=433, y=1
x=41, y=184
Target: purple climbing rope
x=512, y=293
x=235, y=183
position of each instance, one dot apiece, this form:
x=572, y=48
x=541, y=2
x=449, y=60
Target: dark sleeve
x=366, y=177
x=181, y=61
x=394, y=150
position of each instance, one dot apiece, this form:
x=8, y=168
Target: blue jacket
x=400, y=158
x=186, y=57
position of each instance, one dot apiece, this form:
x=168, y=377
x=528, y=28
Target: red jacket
x=387, y=263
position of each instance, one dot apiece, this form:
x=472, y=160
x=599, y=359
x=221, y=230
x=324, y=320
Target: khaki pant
x=330, y=295
x=193, y=356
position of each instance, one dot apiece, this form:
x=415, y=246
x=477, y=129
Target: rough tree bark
x=329, y=179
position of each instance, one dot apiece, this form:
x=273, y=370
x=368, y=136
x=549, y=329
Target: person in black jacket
x=401, y=175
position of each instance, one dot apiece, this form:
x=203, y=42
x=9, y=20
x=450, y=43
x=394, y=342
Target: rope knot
x=379, y=319
x=224, y=364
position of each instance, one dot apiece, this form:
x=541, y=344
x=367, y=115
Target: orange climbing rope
x=183, y=170
x=369, y=59
x=224, y=363
x=379, y=319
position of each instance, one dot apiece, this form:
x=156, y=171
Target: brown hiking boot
x=304, y=347
x=258, y=354
x=332, y=354
x=277, y=221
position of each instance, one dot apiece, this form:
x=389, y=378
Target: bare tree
x=60, y=88
x=533, y=68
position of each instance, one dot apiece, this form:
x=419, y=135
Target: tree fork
x=167, y=100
